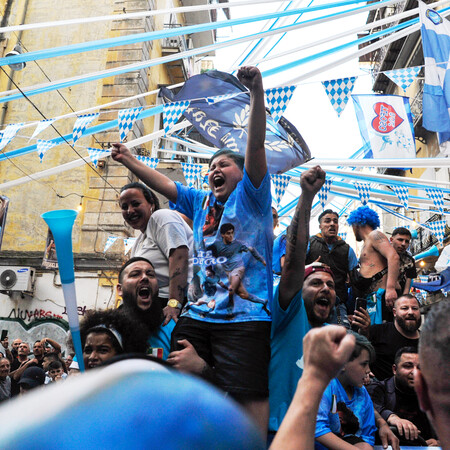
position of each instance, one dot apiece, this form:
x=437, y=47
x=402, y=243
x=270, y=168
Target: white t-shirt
x=166, y=230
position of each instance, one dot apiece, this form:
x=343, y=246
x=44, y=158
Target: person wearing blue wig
x=379, y=265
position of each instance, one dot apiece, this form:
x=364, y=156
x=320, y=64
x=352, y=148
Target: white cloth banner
x=385, y=123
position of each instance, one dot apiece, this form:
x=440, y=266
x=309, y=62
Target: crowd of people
x=205, y=297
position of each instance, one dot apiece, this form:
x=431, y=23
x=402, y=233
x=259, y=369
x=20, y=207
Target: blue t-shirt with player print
x=242, y=258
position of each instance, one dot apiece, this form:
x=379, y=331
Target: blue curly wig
x=364, y=216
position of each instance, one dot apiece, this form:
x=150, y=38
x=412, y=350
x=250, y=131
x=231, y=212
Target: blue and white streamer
x=43, y=146
x=438, y=198
x=109, y=242
x=323, y=193
x=403, y=77
x=280, y=183
x=338, y=92
x=402, y=192
x=150, y=162
x=81, y=124
x=41, y=126
x=191, y=173
x=128, y=242
x=127, y=117
x=278, y=99
x=437, y=228
x=95, y=154
x=172, y=112
x=363, y=190
x=8, y=134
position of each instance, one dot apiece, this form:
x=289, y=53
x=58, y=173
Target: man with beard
x=138, y=288
x=396, y=400
x=389, y=337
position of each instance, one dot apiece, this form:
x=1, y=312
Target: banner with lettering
x=385, y=123
x=225, y=124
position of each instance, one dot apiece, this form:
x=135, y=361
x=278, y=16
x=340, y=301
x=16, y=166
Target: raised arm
x=325, y=351
x=255, y=154
x=297, y=238
x=152, y=178
x=381, y=243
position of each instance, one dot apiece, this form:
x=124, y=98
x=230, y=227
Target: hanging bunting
x=226, y=124
x=96, y=153
x=41, y=126
x=219, y=98
x=8, y=134
x=278, y=99
x=437, y=228
x=43, y=146
x=126, y=118
x=386, y=125
x=109, y=242
x=172, y=112
x=338, y=92
x=128, y=242
x=191, y=173
x=323, y=193
x=280, y=183
x=403, y=77
x=343, y=235
x=363, y=192
x=150, y=162
x=402, y=192
x=438, y=198
x=81, y=124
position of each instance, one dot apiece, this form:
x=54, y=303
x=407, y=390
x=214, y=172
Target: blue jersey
x=159, y=341
x=361, y=405
x=286, y=365
x=247, y=258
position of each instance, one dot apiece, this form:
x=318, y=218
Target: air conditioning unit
x=17, y=279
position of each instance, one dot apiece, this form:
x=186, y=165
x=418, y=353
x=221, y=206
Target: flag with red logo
x=385, y=123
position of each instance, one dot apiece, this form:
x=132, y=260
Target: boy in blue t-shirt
x=332, y=427
x=237, y=345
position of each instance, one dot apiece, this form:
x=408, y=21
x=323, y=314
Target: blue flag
x=223, y=121
x=436, y=92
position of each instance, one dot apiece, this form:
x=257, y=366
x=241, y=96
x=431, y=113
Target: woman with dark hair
x=105, y=334
x=166, y=241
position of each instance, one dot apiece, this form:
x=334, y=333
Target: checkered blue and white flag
x=438, y=198
x=402, y=192
x=191, y=172
x=278, y=99
x=43, y=146
x=41, y=126
x=438, y=229
x=128, y=242
x=219, y=98
x=96, y=153
x=109, y=242
x=172, y=112
x=338, y=92
x=150, y=162
x=363, y=190
x=126, y=119
x=403, y=77
x=8, y=134
x=343, y=235
x=323, y=193
x=81, y=124
x=280, y=183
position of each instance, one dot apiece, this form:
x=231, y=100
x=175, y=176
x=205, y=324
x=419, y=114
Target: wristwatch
x=173, y=303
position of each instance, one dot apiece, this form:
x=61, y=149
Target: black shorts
x=239, y=354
